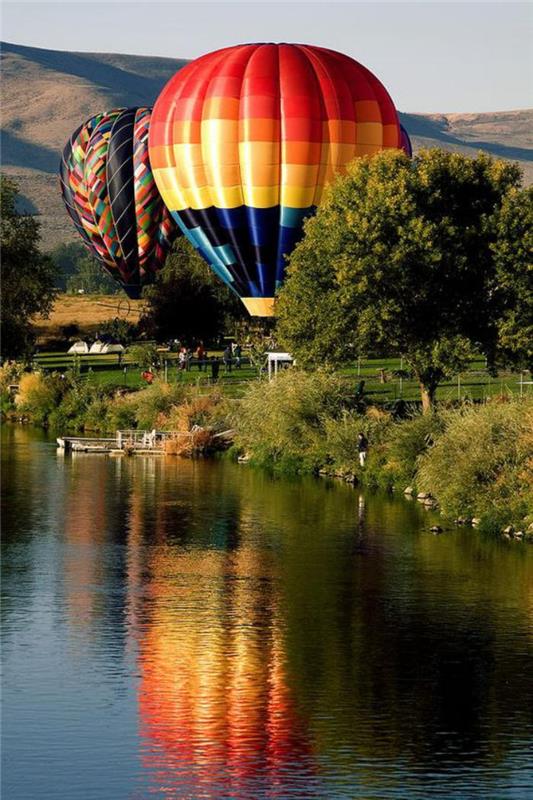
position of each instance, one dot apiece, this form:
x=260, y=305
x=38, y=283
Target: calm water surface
x=180, y=629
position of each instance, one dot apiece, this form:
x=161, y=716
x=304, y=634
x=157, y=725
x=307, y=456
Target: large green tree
x=400, y=258
x=188, y=301
x=513, y=293
x=28, y=276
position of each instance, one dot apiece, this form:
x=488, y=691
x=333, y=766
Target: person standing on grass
x=237, y=352
x=200, y=356
x=182, y=358
x=227, y=358
x=362, y=447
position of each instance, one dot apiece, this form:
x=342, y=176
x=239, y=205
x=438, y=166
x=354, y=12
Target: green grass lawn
x=473, y=384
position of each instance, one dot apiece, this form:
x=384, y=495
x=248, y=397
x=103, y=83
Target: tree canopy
x=401, y=257
x=28, y=276
x=188, y=301
x=78, y=270
x=513, y=251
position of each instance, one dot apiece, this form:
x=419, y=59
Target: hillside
x=47, y=93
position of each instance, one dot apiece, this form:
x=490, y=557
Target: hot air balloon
x=406, y=145
x=242, y=142
x=110, y=194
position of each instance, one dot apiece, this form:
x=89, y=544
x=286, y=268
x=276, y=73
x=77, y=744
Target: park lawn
x=473, y=384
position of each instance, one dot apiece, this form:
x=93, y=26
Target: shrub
x=196, y=410
x=10, y=374
x=38, y=395
x=407, y=441
x=281, y=423
x=482, y=464
x=120, y=329
x=341, y=440
x=153, y=402
x=145, y=355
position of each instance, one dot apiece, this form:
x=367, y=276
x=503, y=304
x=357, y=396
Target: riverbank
x=472, y=462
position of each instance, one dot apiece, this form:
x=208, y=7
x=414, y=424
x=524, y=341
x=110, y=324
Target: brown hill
x=47, y=93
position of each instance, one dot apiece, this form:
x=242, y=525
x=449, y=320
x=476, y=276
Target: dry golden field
x=87, y=312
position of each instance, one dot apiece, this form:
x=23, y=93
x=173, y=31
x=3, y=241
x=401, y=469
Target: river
x=197, y=629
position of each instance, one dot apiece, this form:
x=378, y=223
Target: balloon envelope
x=406, y=145
x=110, y=194
x=243, y=141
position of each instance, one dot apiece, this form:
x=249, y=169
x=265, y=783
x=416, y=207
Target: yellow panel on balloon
x=261, y=196
x=370, y=133
x=367, y=149
x=297, y=196
x=227, y=196
x=191, y=153
x=199, y=197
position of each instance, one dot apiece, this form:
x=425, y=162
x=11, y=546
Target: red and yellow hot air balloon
x=243, y=141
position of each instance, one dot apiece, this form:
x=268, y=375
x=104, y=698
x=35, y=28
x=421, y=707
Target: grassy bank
x=474, y=460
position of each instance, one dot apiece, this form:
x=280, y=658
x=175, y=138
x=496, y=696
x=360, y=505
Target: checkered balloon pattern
x=111, y=196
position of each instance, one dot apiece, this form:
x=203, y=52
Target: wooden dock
x=197, y=441
x=131, y=442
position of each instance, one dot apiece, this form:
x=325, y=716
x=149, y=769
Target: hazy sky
x=431, y=56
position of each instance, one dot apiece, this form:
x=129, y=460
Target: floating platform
x=124, y=443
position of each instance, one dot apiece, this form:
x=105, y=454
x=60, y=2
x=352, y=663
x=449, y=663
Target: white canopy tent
x=277, y=361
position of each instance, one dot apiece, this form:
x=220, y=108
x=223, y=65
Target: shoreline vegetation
x=472, y=462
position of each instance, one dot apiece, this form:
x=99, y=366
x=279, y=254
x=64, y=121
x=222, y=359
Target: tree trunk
x=427, y=392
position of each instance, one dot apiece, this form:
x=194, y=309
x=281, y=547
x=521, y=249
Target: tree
x=399, y=257
x=188, y=301
x=28, y=276
x=91, y=278
x=77, y=269
x=514, y=280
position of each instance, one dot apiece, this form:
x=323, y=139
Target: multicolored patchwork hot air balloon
x=109, y=190
x=243, y=141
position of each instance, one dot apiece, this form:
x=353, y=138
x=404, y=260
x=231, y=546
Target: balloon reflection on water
x=216, y=713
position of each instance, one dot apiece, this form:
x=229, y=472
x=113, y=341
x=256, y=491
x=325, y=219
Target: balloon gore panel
x=111, y=196
x=243, y=141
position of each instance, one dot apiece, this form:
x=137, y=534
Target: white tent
x=277, y=361
x=78, y=348
x=105, y=347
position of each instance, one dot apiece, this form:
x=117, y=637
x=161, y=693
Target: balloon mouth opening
x=259, y=306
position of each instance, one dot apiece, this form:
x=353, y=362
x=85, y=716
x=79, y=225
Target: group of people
x=232, y=356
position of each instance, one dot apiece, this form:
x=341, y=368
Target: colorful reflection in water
x=181, y=629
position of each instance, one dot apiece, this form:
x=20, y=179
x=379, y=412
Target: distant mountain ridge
x=46, y=94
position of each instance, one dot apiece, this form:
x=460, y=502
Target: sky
x=432, y=56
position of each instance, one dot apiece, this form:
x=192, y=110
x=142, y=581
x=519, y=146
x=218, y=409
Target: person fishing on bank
x=362, y=447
